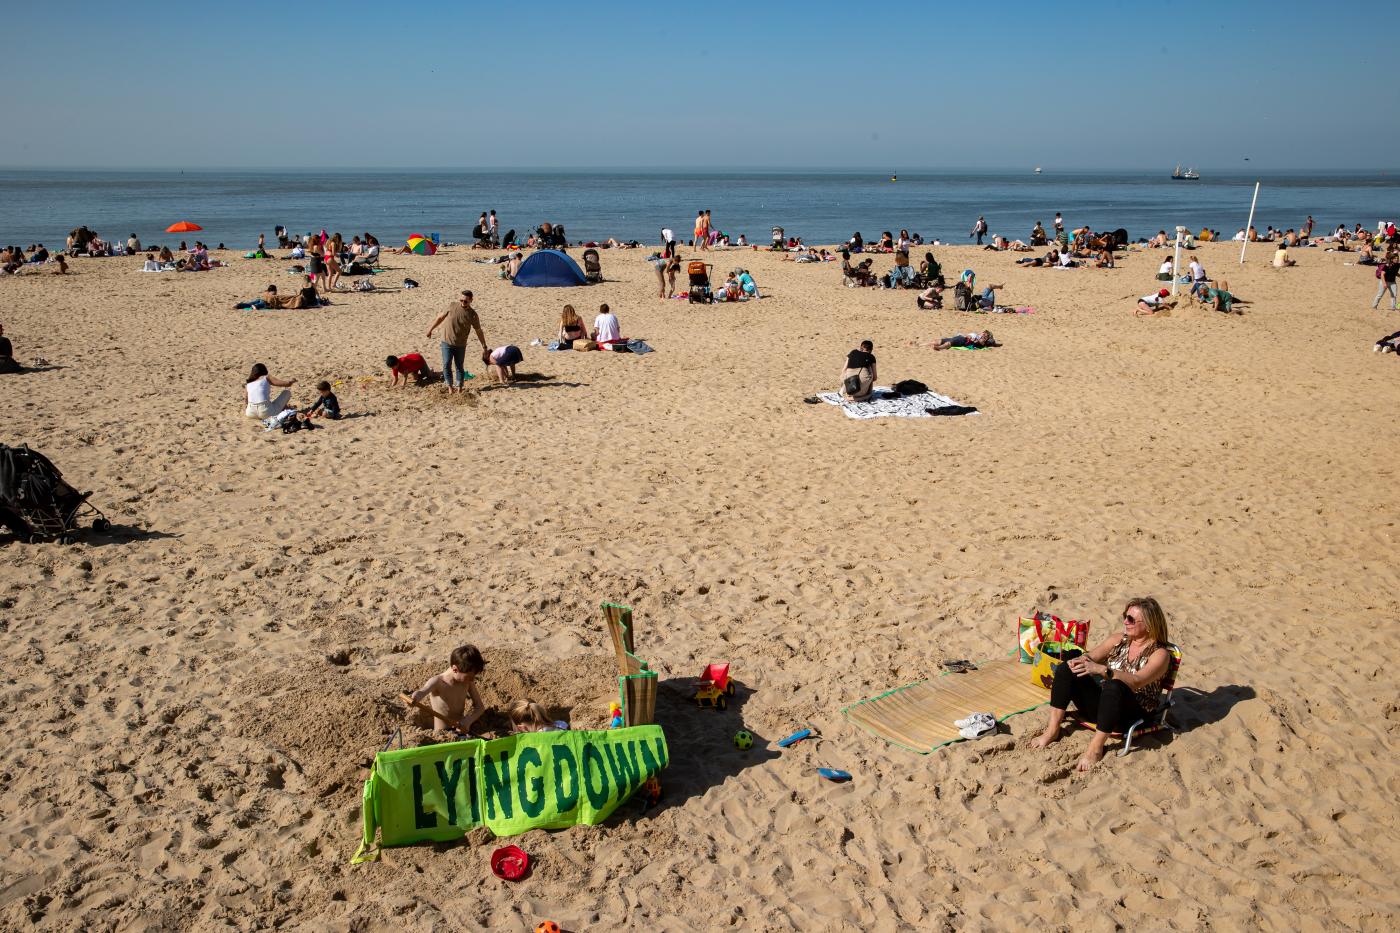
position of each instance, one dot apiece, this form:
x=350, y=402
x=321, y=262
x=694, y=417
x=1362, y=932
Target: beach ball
x=743, y=740
x=547, y=926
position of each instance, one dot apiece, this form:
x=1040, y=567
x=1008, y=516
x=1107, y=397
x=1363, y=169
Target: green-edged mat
x=920, y=716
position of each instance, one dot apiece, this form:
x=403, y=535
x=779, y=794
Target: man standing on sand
x=1307, y=227
x=1059, y=225
x=491, y=231
x=462, y=320
x=979, y=229
x=701, y=230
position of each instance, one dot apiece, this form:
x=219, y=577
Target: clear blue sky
x=756, y=85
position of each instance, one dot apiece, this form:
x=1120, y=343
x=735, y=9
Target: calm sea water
x=233, y=207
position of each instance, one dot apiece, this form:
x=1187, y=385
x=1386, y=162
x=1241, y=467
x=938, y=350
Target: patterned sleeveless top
x=1148, y=695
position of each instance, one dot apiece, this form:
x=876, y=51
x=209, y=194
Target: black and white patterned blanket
x=884, y=403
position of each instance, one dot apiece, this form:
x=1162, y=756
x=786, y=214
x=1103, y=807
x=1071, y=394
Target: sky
x=779, y=85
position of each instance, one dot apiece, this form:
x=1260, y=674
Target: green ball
x=743, y=740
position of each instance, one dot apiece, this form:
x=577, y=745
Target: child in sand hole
x=446, y=693
x=529, y=716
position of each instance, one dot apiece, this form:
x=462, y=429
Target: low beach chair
x=1156, y=720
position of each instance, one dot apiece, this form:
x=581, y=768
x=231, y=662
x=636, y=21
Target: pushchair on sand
x=37, y=504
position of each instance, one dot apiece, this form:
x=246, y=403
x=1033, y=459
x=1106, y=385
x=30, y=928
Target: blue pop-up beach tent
x=549, y=268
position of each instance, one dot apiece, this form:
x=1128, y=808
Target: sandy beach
x=190, y=706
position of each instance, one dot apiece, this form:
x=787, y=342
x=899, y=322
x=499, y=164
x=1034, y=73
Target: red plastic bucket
x=510, y=863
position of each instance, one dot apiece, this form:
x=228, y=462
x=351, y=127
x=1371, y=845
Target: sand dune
x=189, y=707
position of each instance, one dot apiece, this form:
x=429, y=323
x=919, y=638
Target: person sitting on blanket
x=571, y=328
x=858, y=376
x=974, y=341
x=606, y=329
x=1131, y=666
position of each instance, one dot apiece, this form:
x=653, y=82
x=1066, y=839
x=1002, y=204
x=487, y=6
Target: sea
x=233, y=207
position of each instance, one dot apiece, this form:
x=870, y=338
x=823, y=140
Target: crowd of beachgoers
x=323, y=260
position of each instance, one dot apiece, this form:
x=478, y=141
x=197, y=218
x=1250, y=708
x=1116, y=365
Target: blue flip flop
x=795, y=738
x=832, y=774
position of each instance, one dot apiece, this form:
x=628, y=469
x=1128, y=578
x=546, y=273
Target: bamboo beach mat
x=920, y=717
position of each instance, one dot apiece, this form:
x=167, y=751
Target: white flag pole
x=1251, y=222
x=1176, y=260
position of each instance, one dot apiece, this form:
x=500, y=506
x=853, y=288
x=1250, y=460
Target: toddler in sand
x=447, y=692
x=529, y=716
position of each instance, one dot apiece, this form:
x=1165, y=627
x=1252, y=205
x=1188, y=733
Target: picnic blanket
x=920, y=716
x=884, y=403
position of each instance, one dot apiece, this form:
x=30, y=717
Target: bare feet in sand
x=1088, y=760
x=1045, y=738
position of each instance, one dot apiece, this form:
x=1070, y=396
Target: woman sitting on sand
x=260, y=404
x=571, y=328
x=930, y=299
x=1131, y=666
x=858, y=376
x=930, y=272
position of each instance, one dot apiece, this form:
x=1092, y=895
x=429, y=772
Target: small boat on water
x=1189, y=175
x=1037, y=169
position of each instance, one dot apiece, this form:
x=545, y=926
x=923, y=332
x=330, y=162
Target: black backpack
x=962, y=297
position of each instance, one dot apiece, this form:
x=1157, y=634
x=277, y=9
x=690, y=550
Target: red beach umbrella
x=183, y=226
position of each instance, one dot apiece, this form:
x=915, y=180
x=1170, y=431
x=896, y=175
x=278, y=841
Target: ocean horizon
x=821, y=206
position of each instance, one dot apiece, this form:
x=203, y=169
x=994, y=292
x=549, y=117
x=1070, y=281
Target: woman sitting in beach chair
x=1118, y=683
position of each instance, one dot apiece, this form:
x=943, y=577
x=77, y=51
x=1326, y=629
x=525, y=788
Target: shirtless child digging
x=447, y=693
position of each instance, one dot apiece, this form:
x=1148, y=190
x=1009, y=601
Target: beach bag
x=585, y=345
x=1043, y=628
x=1048, y=657
x=910, y=387
x=852, y=385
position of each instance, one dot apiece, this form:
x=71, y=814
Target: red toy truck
x=714, y=688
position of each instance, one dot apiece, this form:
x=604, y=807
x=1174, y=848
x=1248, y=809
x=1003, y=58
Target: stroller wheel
x=101, y=525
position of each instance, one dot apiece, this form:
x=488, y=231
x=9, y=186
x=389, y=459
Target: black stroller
x=699, y=290
x=36, y=504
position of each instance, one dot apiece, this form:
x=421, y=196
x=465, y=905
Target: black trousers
x=1110, y=705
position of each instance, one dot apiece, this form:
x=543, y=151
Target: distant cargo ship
x=1189, y=175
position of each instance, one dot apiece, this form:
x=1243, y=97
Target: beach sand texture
x=188, y=710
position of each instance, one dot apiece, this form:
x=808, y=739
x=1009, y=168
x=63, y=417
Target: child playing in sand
x=327, y=406
x=529, y=716
x=447, y=692
x=410, y=364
